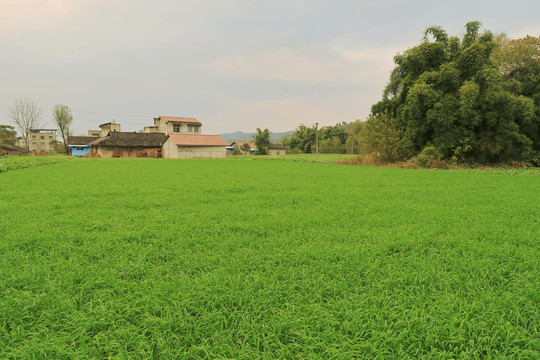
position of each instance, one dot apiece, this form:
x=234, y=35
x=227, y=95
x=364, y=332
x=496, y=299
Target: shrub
x=383, y=139
x=533, y=159
x=428, y=156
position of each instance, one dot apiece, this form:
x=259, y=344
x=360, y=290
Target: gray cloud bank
x=233, y=64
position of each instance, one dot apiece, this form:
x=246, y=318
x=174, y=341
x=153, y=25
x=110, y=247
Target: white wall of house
x=193, y=152
x=170, y=149
x=40, y=141
x=276, y=152
x=173, y=151
x=177, y=127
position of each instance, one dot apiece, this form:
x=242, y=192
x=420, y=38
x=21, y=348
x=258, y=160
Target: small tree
x=63, y=118
x=262, y=140
x=246, y=148
x=25, y=115
x=383, y=138
x=7, y=135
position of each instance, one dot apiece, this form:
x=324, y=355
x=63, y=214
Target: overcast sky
x=233, y=64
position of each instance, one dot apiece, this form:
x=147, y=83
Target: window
x=193, y=128
x=42, y=137
x=176, y=128
x=80, y=148
x=42, y=143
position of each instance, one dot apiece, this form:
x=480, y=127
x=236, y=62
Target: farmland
x=10, y=163
x=267, y=259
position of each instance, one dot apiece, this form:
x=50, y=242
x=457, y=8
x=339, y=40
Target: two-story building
x=185, y=140
x=41, y=141
x=175, y=125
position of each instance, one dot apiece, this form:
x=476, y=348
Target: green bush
x=533, y=159
x=428, y=156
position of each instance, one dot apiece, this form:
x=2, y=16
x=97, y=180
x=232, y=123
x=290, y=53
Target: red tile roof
x=167, y=119
x=241, y=143
x=197, y=140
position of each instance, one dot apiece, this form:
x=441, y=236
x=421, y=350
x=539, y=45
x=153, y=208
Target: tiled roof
x=241, y=144
x=167, y=119
x=131, y=139
x=197, y=140
x=81, y=140
x=12, y=147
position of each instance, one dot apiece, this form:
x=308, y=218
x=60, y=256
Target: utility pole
x=317, y=139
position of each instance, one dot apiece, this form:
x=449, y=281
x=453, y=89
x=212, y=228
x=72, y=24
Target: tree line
x=338, y=139
x=474, y=99
x=469, y=99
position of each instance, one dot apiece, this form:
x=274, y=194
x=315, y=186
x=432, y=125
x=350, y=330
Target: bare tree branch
x=25, y=115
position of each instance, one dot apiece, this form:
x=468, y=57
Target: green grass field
x=201, y=259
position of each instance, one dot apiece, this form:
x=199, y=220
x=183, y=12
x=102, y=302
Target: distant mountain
x=242, y=136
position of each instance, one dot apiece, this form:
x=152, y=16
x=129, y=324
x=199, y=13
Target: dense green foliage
x=262, y=141
x=140, y=258
x=339, y=139
x=7, y=135
x=301, y=141
x=450, y=93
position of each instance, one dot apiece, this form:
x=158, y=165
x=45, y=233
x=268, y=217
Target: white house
x=185, y=140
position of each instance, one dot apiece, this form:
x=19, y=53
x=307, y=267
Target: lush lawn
x=10, y=163
x=321, y=158
x=267, y=259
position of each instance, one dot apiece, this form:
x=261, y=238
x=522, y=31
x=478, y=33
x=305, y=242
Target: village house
x=80, y=145
x=40, y=141
x=185, y=140
x=105, y=129
x=277, y=149
x=11, y=150
x=241, y=146
x=175, y=125
x=169, y=137
x=128, y=144
x=186, y=146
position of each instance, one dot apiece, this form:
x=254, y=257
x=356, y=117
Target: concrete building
x=277, y=149
x=105, y=129
x=175, y=125
x=186, y=146
x=40, y=141
x=185, y=140
x=151, y=129
x=109, y=128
